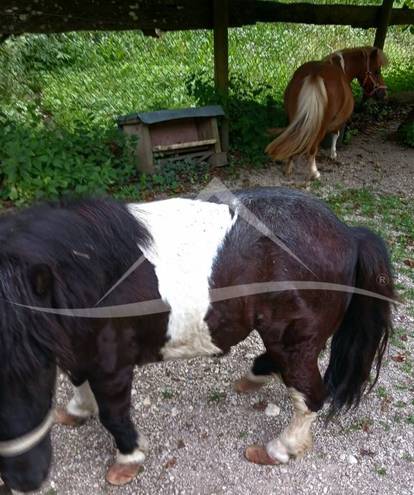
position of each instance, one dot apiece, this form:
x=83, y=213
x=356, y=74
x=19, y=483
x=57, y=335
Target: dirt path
x=373, y=159
x=198, y=427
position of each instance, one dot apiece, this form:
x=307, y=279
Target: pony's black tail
x=366, y=327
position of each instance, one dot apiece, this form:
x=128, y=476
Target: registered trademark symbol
x=383, y=279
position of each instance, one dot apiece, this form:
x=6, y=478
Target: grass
x=389, y=215
x=61, y=84
x=167, y=394
x=216, y=396
x=382, y=392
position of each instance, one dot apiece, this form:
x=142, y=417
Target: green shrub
x=250, y=107
x=406, y=133
x=40, y=160
x=59, y=95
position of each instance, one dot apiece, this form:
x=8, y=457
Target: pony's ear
x=41, y=279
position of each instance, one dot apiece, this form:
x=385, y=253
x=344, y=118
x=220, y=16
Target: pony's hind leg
x=82, y=406
x=313, y=172
x=335, y=137
x=288, y=169
x=308, y=393
x=261, y=373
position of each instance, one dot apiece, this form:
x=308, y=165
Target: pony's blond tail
x=300, y=135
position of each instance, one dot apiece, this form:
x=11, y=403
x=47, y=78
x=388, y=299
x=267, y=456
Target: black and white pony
x=97, y=287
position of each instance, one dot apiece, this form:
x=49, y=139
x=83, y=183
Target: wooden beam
x=221, y=59
x=221, y=46
x=362, y=16
x=54, y=16
x=383, y=23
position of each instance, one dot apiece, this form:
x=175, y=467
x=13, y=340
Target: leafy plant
x=250, y=107
x=41, y=160
x=406, y=133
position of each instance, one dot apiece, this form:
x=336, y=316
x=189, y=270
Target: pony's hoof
x=315, y=175
x=244, y=386
x=121, y=474
x=62, y=417
x=259, y=455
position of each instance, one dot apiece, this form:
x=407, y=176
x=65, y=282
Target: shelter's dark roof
x=165, y=115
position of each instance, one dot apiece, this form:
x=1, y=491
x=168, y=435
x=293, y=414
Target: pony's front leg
x=307, y=392
x=113, y=396
x=82, y=406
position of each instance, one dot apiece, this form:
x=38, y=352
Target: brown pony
x=319, y=100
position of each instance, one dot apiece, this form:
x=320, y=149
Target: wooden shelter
x=150, y=16
x=51, y=16
x=180, y=134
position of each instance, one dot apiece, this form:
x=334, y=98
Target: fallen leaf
x=367, y=453
x=260, y=406
x=170, y=463
x=398, y=358
x=180, y=444
x=409, y=262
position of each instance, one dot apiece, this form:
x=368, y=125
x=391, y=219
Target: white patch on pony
x=83, y=403
x=136, y=457
x=187, y=235
x=296, y=439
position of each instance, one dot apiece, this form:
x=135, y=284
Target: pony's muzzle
x=381, y=94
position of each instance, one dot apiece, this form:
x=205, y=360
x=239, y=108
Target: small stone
x=174, y=412
x=146, y=402
x=272, y=410
x=352, y=459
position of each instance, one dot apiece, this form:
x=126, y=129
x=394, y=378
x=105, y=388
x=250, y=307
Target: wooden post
x=384, y=20
x=221, y=59
x=221, y=45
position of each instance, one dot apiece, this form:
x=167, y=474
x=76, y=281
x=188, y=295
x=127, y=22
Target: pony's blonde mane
x=382, y=58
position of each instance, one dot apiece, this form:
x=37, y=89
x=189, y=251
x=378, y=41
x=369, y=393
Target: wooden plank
x=182, y=146
x=197, y=157
x=145, y=161
x=383, y=23
x=218, y=159
x=54, y=16
x=363, y=16
x=221, y=46
x=216, y=135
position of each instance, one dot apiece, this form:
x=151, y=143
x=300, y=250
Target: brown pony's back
x=337, y=88
x=319, y=100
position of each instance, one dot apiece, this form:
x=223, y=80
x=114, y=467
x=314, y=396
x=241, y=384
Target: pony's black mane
x=78, y=249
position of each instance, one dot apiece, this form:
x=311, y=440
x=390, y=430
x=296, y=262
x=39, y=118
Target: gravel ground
x=198, y=427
